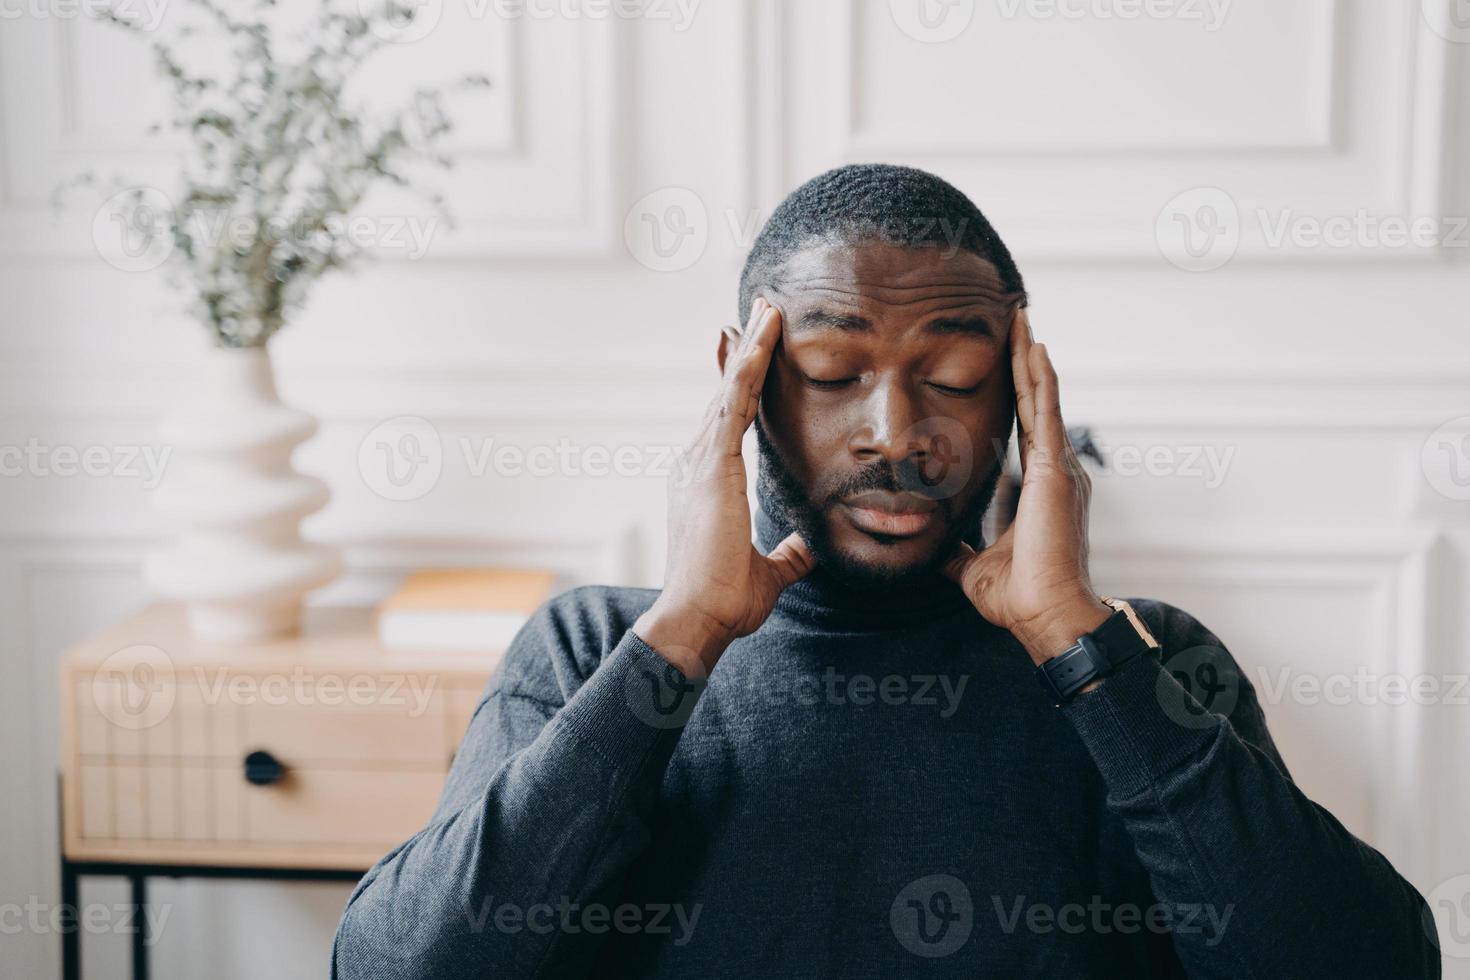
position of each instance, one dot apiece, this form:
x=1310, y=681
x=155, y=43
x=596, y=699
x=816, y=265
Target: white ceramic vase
x=239, y=564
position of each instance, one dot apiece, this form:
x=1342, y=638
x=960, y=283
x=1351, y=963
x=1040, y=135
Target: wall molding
x=1397, y=572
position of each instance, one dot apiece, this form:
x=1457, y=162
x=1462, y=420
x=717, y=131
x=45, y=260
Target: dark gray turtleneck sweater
x=872, y=786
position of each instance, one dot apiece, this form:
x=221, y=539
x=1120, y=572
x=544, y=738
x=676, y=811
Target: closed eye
x=956, y=392
x=822, y=384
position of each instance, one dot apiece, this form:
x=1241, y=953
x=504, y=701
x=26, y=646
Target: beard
x=792, y=505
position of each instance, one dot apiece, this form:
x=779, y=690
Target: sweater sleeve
x=546, y=806
x=1273, y=884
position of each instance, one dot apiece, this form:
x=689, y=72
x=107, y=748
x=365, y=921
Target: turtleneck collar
x=822, y=600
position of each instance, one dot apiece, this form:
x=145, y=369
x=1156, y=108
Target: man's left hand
x=1033, y=580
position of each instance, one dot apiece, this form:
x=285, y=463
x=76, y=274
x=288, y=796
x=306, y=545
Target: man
x=829, y=754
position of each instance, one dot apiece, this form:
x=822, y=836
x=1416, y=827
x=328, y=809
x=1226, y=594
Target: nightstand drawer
x=159, y=802
x=342, y=717
x=348, y=747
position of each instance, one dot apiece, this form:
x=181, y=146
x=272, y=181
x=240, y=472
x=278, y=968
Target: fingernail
x=731, y=333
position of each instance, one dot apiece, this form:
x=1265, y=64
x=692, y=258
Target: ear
x=723, y=350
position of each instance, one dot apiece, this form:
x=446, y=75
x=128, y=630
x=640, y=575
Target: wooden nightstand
x=305, y=757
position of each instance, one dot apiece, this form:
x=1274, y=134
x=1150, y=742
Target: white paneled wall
x=1203, y=200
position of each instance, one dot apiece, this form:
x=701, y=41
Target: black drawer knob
x=262, y=769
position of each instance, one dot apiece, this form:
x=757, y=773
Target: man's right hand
x=718, y=586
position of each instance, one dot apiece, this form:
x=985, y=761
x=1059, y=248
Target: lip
x=899, y=515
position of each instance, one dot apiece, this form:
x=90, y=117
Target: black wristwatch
x=1120, y=638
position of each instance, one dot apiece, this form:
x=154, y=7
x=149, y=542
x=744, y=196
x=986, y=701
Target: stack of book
x=466, y=610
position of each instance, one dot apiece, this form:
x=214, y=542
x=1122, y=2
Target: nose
x=887, y=426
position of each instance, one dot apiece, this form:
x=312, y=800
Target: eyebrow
x=818, y=319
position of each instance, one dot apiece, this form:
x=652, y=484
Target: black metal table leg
x=140, y=926
x=71, y=939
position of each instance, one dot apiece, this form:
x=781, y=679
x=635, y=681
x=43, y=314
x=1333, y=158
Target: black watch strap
x=1095, y=655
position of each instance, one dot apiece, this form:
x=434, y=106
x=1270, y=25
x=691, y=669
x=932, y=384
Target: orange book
x=470, y=610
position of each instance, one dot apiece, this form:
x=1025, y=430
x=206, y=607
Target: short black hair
x=865, y=202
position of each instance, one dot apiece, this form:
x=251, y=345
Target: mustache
x=905, y=476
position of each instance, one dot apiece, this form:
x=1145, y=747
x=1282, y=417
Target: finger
x=739, y=341
x=790, y=560
x=1021, y=377
x=959, y=563
x=1051, y=433
x=744, y=381
x=758, y=308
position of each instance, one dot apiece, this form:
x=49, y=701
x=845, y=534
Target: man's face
x=887, y=405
